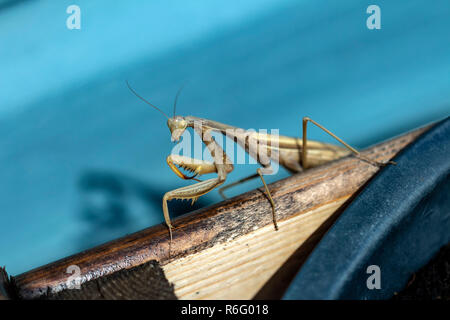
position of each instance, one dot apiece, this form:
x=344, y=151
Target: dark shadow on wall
x=111, y=202
x=7, y=4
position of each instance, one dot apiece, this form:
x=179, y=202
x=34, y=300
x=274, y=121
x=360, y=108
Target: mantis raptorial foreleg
x=196, y=166
x=189, y=192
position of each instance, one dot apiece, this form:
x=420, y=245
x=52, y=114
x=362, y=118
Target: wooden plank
x=228, y=250
x=238, y=269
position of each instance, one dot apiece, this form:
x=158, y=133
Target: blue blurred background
x=82, y=160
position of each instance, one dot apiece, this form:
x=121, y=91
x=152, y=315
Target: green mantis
x=293, y=153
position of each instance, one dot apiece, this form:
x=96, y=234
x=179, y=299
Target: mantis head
x=177, y=125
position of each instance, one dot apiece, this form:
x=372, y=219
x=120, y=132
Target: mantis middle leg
x=253, y=176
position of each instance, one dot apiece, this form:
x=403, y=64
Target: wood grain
x=238, y=269
x=228, y=250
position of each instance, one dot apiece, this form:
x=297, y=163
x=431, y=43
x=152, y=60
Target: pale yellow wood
x=238, y=269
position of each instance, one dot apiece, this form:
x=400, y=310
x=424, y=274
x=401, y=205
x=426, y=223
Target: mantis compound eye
x=177, y=127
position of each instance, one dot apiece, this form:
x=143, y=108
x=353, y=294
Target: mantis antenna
x=176, y=99
x=137, y=95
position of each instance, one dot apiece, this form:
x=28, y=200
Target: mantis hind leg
x=356, y=152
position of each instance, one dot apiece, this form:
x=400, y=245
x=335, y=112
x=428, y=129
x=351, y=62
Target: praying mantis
x=294, y=154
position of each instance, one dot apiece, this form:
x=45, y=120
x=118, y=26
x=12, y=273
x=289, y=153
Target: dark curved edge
x=398, y=223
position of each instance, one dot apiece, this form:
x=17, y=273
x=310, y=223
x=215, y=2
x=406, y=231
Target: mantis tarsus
x=293, y=153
